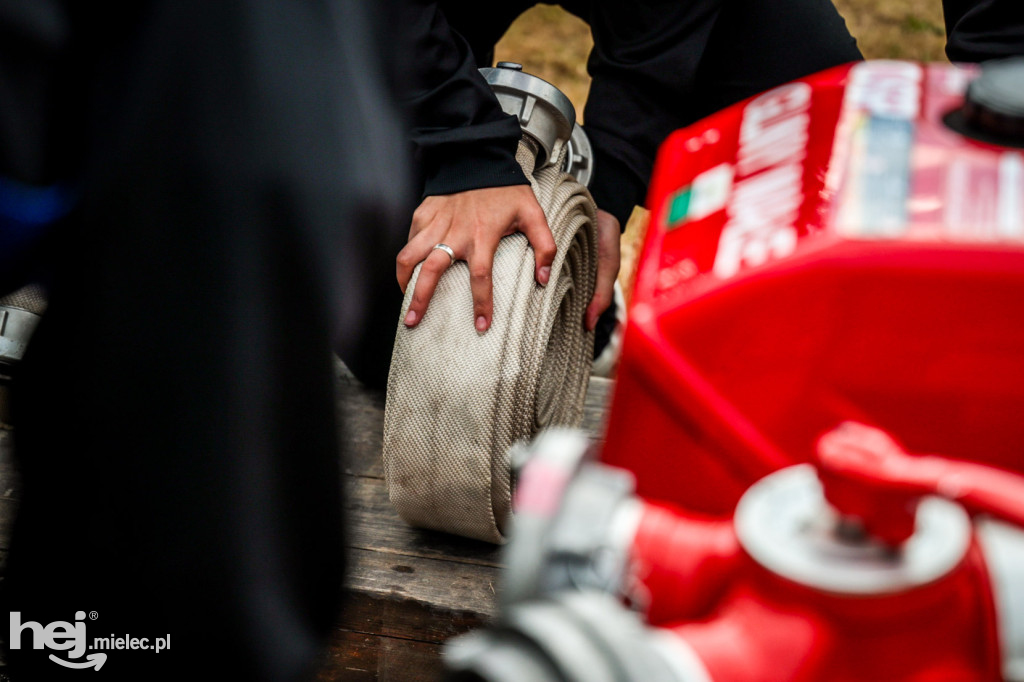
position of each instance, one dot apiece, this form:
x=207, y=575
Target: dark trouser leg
x=175, y=410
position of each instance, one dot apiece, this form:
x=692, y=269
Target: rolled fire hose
x=457, y=400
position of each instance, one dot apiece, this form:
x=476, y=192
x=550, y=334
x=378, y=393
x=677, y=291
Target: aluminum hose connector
x=20, y=312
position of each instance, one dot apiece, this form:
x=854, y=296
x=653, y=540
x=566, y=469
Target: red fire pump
x=870, y=564
x=831, y=250
x=844, y=250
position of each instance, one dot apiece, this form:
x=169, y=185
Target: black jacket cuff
x=471, y=166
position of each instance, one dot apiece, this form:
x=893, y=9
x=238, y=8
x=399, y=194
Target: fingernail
x=410, y=318
x=481, y=324
x=544, y=274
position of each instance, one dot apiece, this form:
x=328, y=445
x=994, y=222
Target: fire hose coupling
x=20, y=313
x=575, y=520
x=571, y=637
x=546, y=115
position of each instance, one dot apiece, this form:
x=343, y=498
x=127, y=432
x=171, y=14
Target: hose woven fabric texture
x=457, y=399
x=31, y=298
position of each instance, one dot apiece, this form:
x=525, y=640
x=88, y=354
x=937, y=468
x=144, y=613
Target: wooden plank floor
x=408, y=590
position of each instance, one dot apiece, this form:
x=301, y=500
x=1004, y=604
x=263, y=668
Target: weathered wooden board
x=357, y=657
x=373, y=525
x=361, y=414
x=415, y=598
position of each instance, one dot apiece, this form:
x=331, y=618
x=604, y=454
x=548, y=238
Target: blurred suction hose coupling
x=20, y=313
x=571, y=637
x=575, y=521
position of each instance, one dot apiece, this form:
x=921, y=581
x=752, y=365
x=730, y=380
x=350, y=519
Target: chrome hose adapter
x=20, y=313
x=570, y=637
x=546, y=115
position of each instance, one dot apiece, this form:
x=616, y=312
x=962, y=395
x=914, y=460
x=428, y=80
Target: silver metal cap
x=544, y=113
x=784, y=524
x=579, y=159
x=20, y=313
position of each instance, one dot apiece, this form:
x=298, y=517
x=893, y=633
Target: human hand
x=608, y=234
x=471, y=223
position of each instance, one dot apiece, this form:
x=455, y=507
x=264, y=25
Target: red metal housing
x=827, y=251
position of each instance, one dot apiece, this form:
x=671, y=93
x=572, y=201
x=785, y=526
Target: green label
x=679, y=207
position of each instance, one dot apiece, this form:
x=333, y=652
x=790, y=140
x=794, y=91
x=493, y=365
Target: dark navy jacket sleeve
x=463, y=138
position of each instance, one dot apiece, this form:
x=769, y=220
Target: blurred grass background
x=554, y=45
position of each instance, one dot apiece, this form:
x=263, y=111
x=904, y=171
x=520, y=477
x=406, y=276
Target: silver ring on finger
x=447, y=249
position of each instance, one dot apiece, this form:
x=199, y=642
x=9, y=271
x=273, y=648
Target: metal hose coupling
x=575, y=521
x=20, y=313
x=571, y=637
x=546, y=115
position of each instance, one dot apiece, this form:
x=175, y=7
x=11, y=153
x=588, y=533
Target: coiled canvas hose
x=457, y=400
